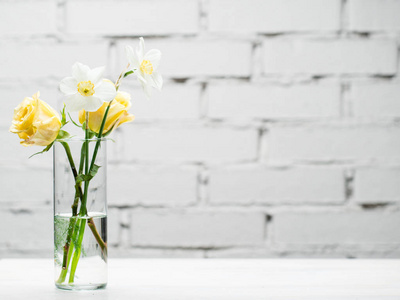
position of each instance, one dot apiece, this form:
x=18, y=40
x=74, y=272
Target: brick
x=45, y=59
x=132, y=17
x=15, y=154
x=189, y=143
x=376, y=100
x=274, y=16
x=329, y=228
x=152, y=185
x=247, y=101
x=113, y=225
x=345, y=57
x=26, y=185
x=196, y=229
x=27, y=229
x=377, y=185
x=19, y=18
x=192, y=57
x=374, y=15
x=174, y=102
x=258, y=185
x=330, y=143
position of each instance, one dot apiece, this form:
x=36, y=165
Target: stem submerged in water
x=78, y=194
x=98, y=238
x=78, y=249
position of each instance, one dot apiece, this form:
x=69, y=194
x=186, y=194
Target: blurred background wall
x=276, y=134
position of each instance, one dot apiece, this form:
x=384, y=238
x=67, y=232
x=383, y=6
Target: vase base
x=81, y=287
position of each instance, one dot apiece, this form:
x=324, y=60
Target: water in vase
x=80, y=251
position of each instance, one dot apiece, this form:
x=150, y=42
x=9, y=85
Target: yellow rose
x=117, y=114
x=35, y=122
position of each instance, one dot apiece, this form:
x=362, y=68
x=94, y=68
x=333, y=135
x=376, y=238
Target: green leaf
x=91, y=134
x=43, y=151
x=77, y=125
x=61, y=226
x=82, y=177
x=128, y=73
x=87, y=177
x=63, y=117
x=94, y=170
x=62, y=135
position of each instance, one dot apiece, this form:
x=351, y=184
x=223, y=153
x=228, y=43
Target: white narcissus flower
x=86, y=89
x=145, y=66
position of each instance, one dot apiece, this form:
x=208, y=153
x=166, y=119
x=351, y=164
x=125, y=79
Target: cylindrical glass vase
x=80, y=214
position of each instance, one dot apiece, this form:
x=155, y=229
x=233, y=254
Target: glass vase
x=80, y=214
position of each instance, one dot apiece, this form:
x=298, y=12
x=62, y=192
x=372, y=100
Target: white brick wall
x=27, y=228
x=376, y=101
x=176, y=102
x=200, y=57
x=274, y=16
x=132, y=17
x=374, y=15
x=373, y=185
x=360, y=143
x=276, y=133
x=330, y=228
x=30, y=60
x=330, y=56
x=27, y=18
x=26, y=185
x=257, y=185
x=189, y=143
x=197, y=229
x=251, y=101
x=152, y=186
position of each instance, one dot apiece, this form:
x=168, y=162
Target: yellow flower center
x=86, y=88
x=146, y=67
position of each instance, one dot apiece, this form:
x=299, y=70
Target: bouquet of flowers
x=101, y=108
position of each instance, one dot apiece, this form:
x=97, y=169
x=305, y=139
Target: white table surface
x=248, y=279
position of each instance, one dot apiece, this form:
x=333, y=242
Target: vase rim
x=81, y=139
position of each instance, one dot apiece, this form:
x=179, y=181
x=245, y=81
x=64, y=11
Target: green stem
x=72, y=221
x=98, y=238
x=83, y=210
x=78, y=188
x=70, y=159
x=99, y=136
x=77, y=252
x=67, y=251
x=82, y=161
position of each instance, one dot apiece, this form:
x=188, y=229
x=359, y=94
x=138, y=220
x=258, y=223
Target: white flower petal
x=140, y=49
x=80, y=72
x=147, y=90
x=92, y=103
x=150, y=82
x=132, y=58
x=96, y=74
x=69, y=86
x=75, y=102
x=140, y=77
x=157, y=80
x=154, y=57
x=105, y=91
